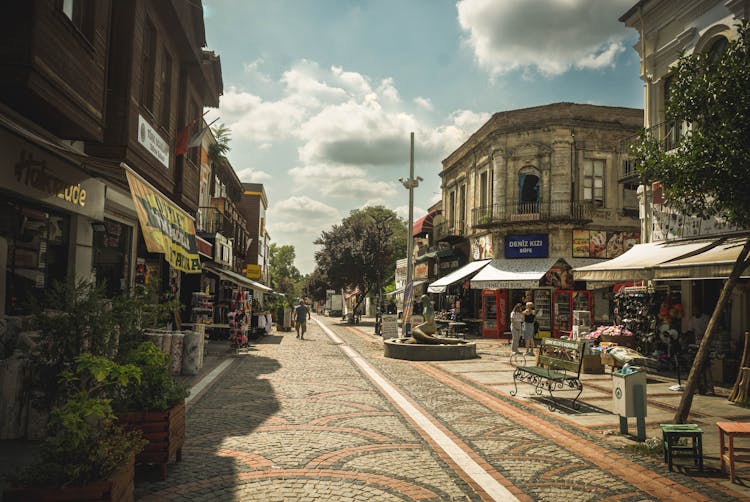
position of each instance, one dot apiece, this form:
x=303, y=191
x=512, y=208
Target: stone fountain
x=425, y=346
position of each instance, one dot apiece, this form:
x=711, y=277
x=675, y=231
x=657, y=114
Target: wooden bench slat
x=559, y=363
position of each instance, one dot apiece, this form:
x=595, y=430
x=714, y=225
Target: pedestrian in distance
x=528, y=328
x=516, y=322
x=302, y=314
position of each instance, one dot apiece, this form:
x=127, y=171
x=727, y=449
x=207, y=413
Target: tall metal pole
x=409, y=237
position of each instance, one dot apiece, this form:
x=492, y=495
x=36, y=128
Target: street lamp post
x=410, y=184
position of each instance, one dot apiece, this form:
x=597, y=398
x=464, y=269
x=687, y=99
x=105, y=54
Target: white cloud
x=423, y=103
x=548, y=36
x=337, y=118
x=252, y=175
x=350, y=138
x=403, y=212
x=388, y=91
x=340, y=181
x=253, y=70
x=303, y=209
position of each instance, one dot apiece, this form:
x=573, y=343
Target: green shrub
x=157, y=389
x=84, y=443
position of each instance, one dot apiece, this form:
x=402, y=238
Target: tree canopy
x=284, y=276
x=361, y=251
x=706, y=173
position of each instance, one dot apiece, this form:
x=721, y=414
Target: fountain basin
x=397, y=348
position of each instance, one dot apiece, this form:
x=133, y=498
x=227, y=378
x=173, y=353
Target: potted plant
x=155, y=405
x=85, y=455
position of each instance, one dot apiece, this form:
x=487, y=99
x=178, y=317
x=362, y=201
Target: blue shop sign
x=527, y=246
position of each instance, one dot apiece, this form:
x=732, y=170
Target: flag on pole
x=197, y=138
x=182, y=140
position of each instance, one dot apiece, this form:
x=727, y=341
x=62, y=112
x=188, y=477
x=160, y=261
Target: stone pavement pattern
x=296, y=420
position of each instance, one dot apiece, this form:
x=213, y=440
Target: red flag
x=181, y=141
x=182, y=138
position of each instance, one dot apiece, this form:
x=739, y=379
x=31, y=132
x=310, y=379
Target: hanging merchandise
x=237, y=329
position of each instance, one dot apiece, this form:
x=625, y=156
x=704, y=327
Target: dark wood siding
x=52, y=71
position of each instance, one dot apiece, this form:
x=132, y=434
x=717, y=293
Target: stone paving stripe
x=207, y=380
x=491, y=486
x=650, y=482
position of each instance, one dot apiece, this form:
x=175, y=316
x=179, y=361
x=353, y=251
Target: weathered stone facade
x=483, y=180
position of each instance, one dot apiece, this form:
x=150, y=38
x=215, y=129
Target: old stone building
x=538, y=190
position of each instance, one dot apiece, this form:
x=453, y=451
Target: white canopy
x=441, y=284
x=638, y=262
x=714, y=263
x=513, y=273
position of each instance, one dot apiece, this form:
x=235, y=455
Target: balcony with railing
x=210, y=220
x=449, y=230
x=529, y=212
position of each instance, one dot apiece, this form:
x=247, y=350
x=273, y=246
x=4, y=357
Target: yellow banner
x=167, y=229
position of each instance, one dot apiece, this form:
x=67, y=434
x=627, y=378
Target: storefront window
x=112, y=243
x=37, y=253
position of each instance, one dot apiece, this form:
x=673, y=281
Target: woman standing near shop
x=516, y=323
x=528, y=328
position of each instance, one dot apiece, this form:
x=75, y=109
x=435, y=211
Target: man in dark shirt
x=302, y=314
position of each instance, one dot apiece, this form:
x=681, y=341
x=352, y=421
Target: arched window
x=529, y=191
x=716, y=49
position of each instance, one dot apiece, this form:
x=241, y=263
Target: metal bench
x=558, y=368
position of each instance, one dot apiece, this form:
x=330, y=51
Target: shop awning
x=441, y=284
x=166, y=227
x=399, y=291
x=440, y=253
x=714, y=263
x=236, y=278
x=513, y=273
x=638, y=262
x=424, y=224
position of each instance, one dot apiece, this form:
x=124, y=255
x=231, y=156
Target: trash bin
x=629, y=392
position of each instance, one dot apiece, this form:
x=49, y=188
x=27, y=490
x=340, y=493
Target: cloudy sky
x=321, y=95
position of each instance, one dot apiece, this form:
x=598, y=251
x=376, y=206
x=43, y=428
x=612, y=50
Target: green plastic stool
x=672, y=433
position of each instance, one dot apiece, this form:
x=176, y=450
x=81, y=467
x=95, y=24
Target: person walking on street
x=528, y=328
x=516, y=321
x=302, y=314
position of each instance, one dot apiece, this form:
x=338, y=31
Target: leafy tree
x=361, y=251
x=285, y=278
x=706, y=174
x=220, y=148
x=315, y=285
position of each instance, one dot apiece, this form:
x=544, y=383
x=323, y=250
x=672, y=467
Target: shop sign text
x=527, y=246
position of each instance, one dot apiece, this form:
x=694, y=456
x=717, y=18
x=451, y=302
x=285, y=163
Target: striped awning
x=424, y=224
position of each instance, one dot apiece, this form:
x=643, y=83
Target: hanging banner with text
x=167, y=229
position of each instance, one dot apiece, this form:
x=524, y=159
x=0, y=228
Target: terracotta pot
x=119, y=487
x=164, y=430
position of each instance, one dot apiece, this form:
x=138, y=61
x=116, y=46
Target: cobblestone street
x=329, y=418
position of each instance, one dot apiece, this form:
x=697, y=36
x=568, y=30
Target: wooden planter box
x=164, y=431
x=118, y=488
x=592, y=364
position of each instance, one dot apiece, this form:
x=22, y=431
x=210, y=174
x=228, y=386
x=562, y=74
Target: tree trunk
x=699, y=363
x=742, y=384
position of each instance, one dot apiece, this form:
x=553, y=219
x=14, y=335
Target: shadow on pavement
x=237, y=403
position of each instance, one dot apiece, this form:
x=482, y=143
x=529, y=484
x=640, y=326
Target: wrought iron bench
x=558, y=369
